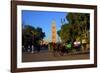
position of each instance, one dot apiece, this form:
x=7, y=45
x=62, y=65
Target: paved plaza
x=48, y=56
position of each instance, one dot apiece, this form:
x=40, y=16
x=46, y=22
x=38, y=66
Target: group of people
x=31, y=48
x=61, y=49
x=34, y=48
x=56, y=48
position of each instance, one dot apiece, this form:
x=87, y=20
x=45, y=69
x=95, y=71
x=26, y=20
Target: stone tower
x=54, y=33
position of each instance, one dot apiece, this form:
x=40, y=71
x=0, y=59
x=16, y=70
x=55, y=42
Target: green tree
x=31, y=35
x=78, y=27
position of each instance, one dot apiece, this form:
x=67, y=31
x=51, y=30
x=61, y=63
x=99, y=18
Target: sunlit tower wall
x=54, y=33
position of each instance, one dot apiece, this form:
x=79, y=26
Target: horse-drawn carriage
x=65, y=48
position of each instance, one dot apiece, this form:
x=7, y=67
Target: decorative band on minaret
x=54, y=33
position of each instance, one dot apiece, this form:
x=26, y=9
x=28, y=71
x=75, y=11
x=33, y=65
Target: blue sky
x=43, y=19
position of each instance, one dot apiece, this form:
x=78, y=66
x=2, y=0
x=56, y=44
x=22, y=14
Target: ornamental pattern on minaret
x=54, y=33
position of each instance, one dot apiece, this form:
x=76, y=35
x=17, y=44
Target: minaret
x=54, y=33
